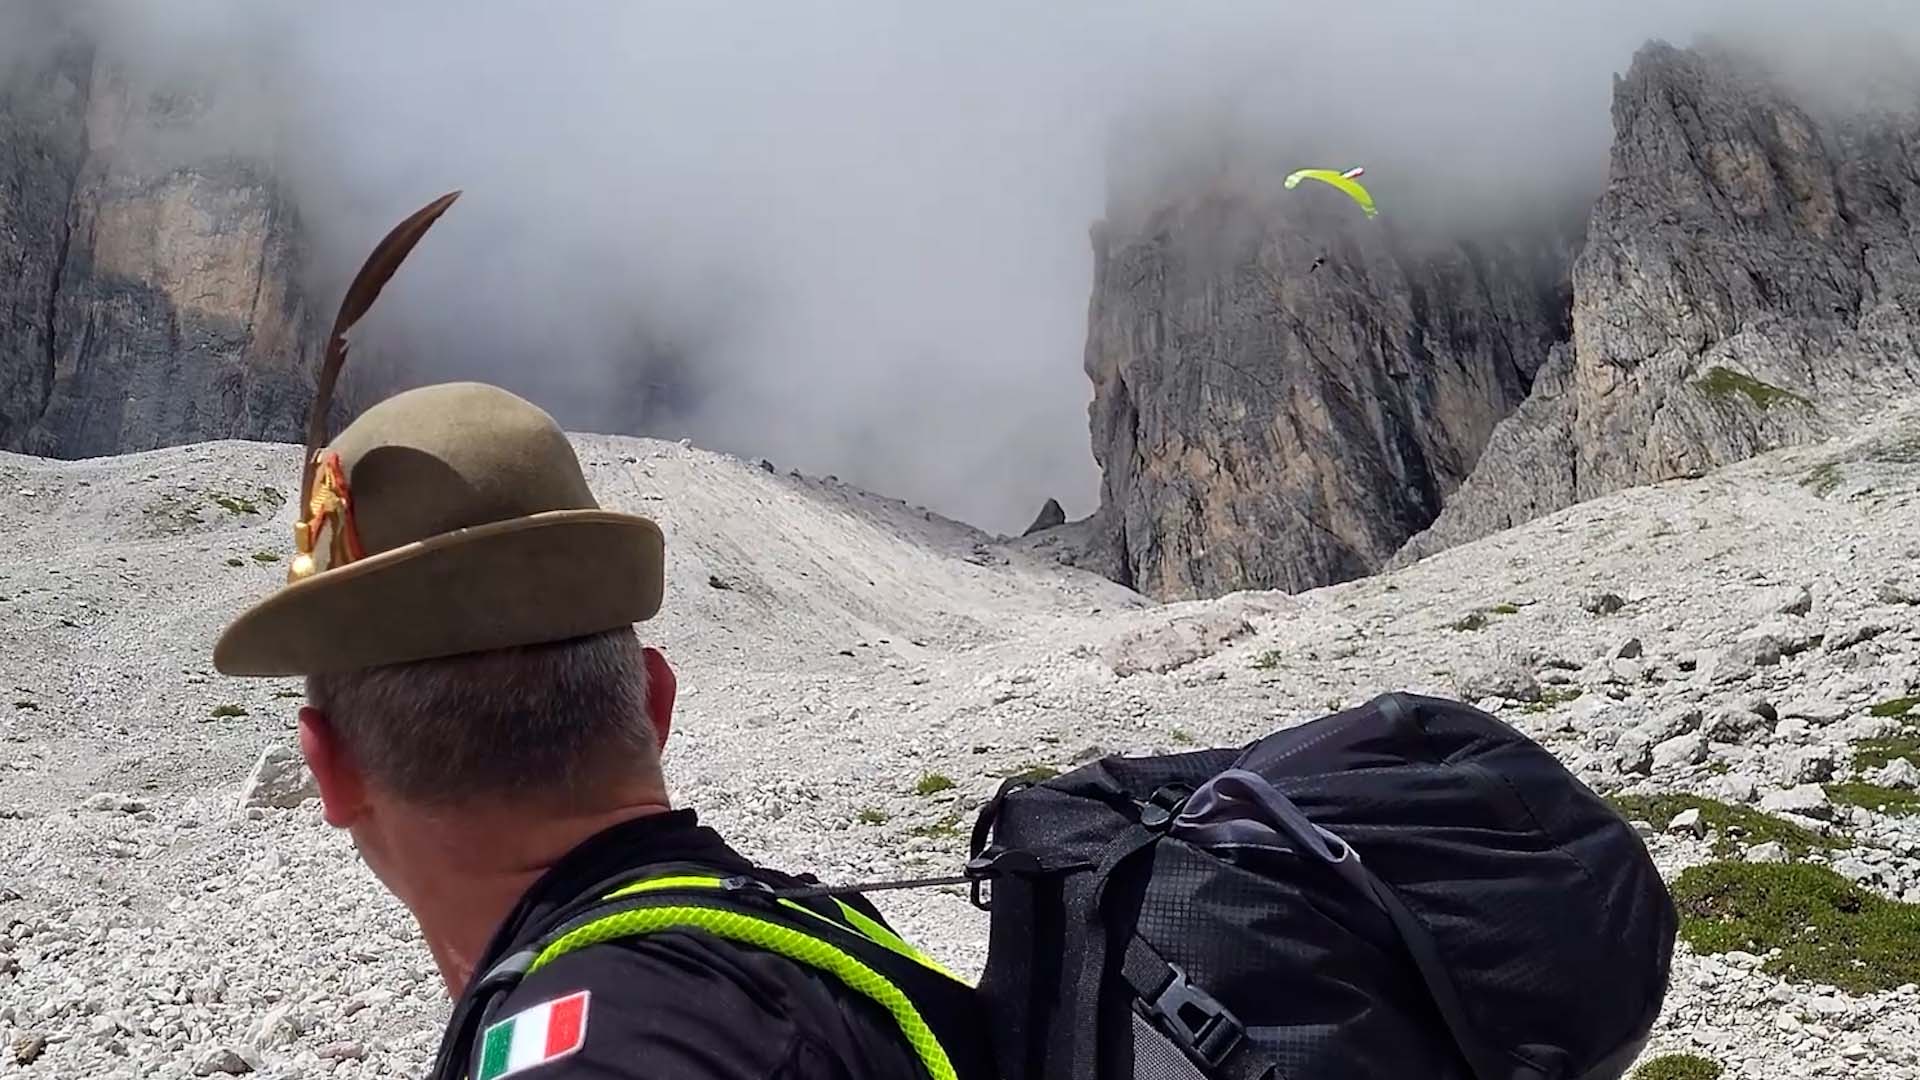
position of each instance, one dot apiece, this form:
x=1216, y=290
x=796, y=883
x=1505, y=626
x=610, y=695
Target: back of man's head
x=559, y=725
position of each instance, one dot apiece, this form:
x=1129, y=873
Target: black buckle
x=1164, y=805
x=991, y=864
x=1196, y=1020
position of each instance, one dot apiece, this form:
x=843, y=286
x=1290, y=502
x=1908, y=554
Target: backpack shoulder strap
x=851, y=947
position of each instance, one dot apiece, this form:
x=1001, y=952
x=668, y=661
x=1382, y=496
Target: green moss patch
x=1721, y=383
x=1899, y=706
x=1268, y=660
x=1738, y=826
x=1874, y=753
x=235, y=560
x=1822, y=479
x=224, y=712
x=1874, y=797
x=1678, y=1067
x=1551, y=696
x=945, y=829
x=246, y=504
x=172, y=513
x=933, y=784
x=1477, y=618
x=1035, y=774
x=1828, y=929
x=266, y=556
x=871, y=816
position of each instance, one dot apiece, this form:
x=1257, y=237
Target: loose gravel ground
x=1731, y=636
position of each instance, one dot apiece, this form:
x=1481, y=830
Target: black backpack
x=1410, y=888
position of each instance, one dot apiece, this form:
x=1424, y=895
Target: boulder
x=1680, y=752
x=1899, y=773
x=1810, y=765
x=1179, y=641
x=1688, y=822
x=1505, y=679
x=1051, y=516
x=1628, y=649
x=1733, y=724
x=1804, y=800
x=1602, y=603
x=1898, y=591
x=279, y=780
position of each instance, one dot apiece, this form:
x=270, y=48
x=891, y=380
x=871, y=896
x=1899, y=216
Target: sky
x=852, y=237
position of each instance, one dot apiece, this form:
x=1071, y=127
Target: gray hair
x=553, y=723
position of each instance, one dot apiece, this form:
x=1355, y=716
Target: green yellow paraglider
x=1345, y=181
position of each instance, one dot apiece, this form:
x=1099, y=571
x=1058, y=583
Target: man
x=484, y=723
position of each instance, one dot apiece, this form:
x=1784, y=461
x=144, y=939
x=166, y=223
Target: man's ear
x=343, y=790
x=661, y=687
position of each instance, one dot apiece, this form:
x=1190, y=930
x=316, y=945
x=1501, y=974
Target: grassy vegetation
x=1678, y=1067
x=1181, y=737
x=945, y=829
x=266, y=556
x=1899, y=706
x=1874, y=797
x=1828, y=929
x=247, y=504
x=1268, y=660
x=1721, y=383
x=172, y=513
x=871, y=816
x=1035, y=774
x=1874, y=753
x=1822, y=479
x=933, y=783
x=223, y=712
x=1738, y=826
x=1477, y=618
x=1549, y=697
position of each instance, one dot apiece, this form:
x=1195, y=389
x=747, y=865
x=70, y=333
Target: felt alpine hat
x=446, y=519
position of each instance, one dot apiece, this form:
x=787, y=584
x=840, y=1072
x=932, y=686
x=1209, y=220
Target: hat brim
x=545, y=577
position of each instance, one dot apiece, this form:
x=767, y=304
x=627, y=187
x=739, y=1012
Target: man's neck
x=467, y=872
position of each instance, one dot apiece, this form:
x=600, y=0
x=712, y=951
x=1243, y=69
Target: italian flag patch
x=534, y=1036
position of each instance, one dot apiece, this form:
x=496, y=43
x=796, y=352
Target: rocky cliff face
x=1284, y=391
x=1750, y=280
x=146, y=297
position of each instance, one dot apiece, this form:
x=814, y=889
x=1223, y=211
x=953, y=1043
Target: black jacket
x=679, y=1005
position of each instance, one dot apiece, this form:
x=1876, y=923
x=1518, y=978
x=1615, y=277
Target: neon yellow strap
x=855, y=920
x=763, y=934
x=678, y=882
x=880, y=935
